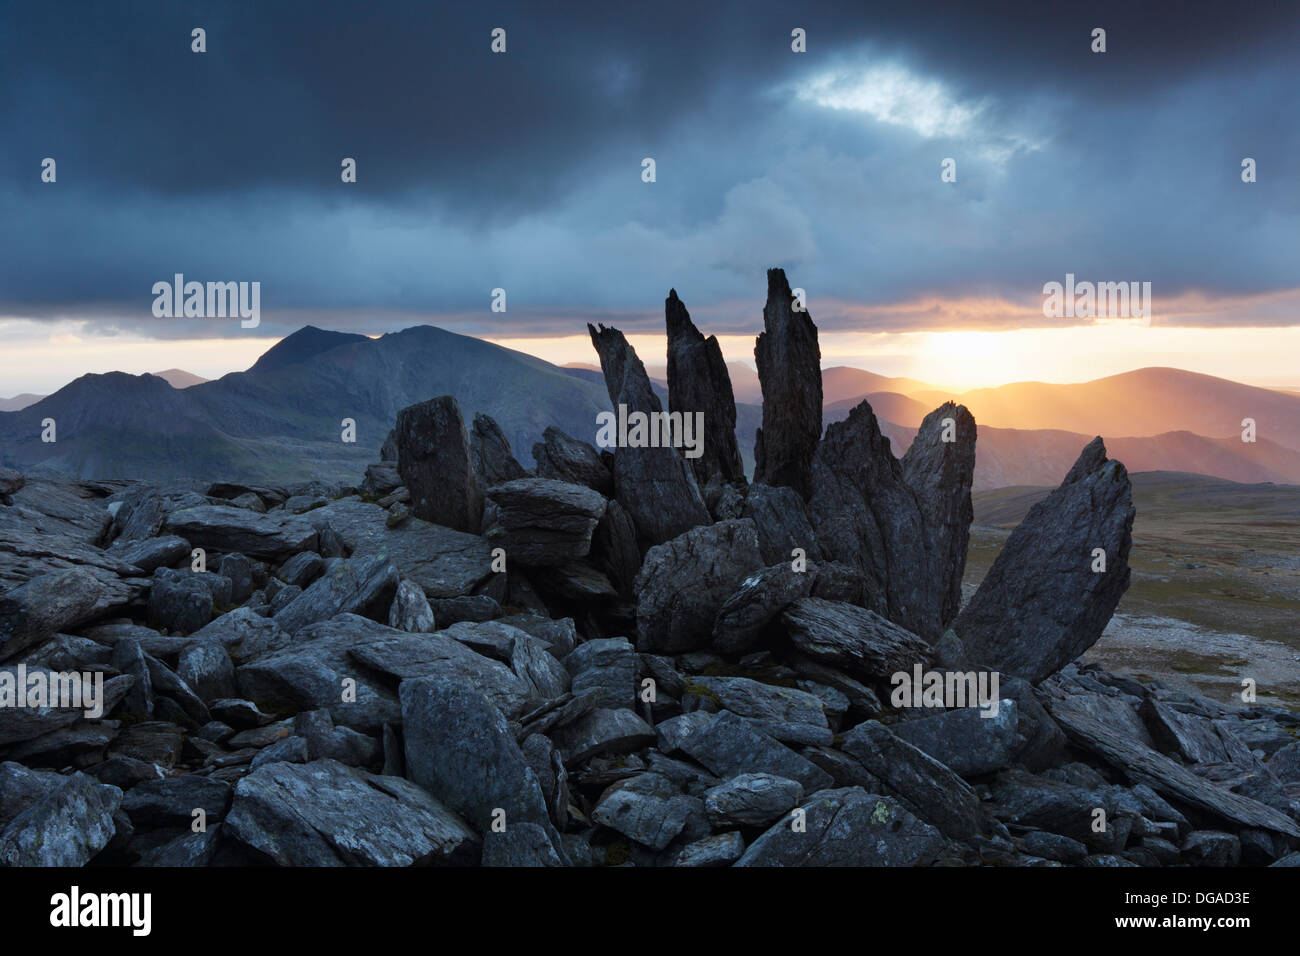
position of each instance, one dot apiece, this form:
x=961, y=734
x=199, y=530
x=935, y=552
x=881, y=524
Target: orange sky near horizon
x=43, y=360
x=962, y=360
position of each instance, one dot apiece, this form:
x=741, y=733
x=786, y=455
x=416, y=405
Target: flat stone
x=225, y=528
x=66, y=827
x=729, y=746
x=540, y=521
x=721, y=849
x=752, y=800
x=45, y=605
x=646, y=808
x=939, y=795
x=363, y=586
x=848, y=827
x=853, y=639
x=309, y=675
x=603, y=731
x=964, y=740
x=325, y=814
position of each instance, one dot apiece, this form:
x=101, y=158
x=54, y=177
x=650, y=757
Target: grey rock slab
x=939, y=468
x=1193, y=738
x=536, y=666
x=614, y=550
x=752, y=800
x=685, y=582
x=540, y=521
x=698, y=383
x=853, y=639
x=47, y=604
x=459, y=748
x=325, y=814
x=647, y=808
x=172, y=801
x=1053, y=846
x=153, y=553
x=720, y=849
x=938, y=794
x=866, y=516
x=343, y=744
x=225, y=528
x=757, y=605
x=301, y=569
x=564, y=458
x=310, y=673
x=166, y=683
x=474, y=608
x=191, y=849
x=363, y=586
x=751, y=698
x=183, y=601
x=21, y=786
x=243, y=632
x=494, y=463
x=607, y=666
x=18, y=724
x=523, y=844
x=602, y=731
x=848, y=827
x=410, y=610
x=443, y=561
x=66, y=827
x=559, y=634
x=207, y=669
x=1211, y=848
x=729, y=746
x=286, y=750
x=964, y=740
x=673, y=732
x=1041, y=605
x=436, y=464
x=407, y=656
x=239, y=569
x=781, y=518
x=1170, y=779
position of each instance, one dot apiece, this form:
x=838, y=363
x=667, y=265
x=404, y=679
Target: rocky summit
x=616, y=657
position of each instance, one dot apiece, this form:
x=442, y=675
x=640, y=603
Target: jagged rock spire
x=939, y=467
x=437, y=466
x=789, y=370
x=698, y=382
x=654, y=484
x=1045, y=600
x=904, y=525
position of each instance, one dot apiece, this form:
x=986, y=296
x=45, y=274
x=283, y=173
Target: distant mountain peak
x=179, y=378
x=299, y=346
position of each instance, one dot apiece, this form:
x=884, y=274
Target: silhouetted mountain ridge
x=283, y=418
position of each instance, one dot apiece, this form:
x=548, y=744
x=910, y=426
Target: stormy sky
x=523, y=170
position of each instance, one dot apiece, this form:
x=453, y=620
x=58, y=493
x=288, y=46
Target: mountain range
x=175, y=377
x=283, y=418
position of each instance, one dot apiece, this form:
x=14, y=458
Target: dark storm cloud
x=522, y=171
